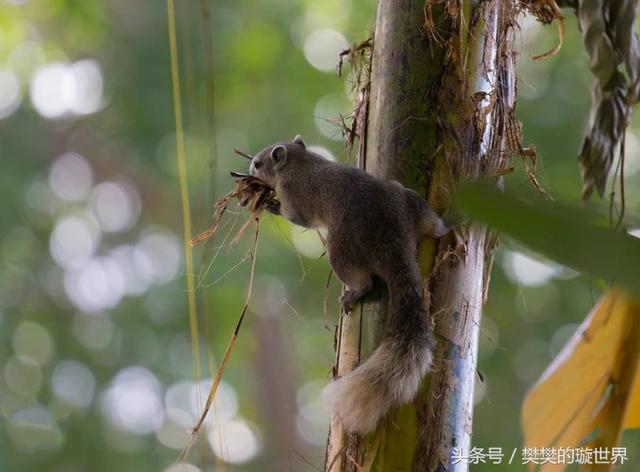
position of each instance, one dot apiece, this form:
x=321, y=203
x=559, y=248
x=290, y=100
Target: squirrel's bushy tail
x=392, y=375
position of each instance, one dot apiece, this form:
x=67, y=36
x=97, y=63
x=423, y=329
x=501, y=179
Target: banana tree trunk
x=441, y=111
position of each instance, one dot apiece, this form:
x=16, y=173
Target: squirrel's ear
x=298, y=140
x=278, y=154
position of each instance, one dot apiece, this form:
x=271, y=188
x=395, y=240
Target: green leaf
x=559, y=233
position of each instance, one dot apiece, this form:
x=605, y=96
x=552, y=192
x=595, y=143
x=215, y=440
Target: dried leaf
x=611, y=40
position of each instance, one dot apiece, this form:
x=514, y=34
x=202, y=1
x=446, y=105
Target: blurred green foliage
x=565, y=235
x=95, y=348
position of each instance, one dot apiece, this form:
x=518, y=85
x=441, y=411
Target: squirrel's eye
x=257, y=165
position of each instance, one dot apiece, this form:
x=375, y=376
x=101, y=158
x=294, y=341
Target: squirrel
x=373, y=229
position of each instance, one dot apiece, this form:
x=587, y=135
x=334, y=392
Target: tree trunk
x=441, y=112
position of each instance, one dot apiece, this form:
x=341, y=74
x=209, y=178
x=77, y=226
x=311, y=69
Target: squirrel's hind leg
x=351, y=296
x=358, y=282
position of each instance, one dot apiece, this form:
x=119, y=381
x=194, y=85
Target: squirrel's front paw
x=460, y=242
x=273, y=207
x=347, y=299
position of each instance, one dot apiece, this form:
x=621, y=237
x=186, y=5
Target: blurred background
x=96, y=370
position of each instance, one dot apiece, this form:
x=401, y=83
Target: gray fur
x=373, y=228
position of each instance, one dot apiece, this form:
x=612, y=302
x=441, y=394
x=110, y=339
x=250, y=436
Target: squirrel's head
x=272, y=160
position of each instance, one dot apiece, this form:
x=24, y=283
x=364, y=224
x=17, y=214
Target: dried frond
x=529, y=155
x=359, y=58
x=546, y=11
x=610, y=37
x=250, y=193
x=356, y=55
x=530, y=162
x=227, y=354
x=429, y=25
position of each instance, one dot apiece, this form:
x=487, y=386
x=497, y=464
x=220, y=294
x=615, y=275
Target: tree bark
x=441, y=112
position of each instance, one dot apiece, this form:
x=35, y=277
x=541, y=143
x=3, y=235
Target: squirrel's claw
x=348, y=298
x=460, y=243
x=346, y=305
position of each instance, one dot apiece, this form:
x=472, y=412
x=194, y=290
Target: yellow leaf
x=632, y=419
x=583, y=421
x=571, y=397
